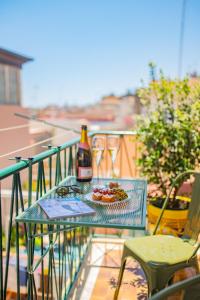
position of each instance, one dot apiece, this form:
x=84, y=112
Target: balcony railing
x=25, y=182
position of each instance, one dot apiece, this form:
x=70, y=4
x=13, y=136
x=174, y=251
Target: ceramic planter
x=175, y=219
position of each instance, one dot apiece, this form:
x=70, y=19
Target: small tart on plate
x=97, y=196
x=113, y=185
x=108, y=198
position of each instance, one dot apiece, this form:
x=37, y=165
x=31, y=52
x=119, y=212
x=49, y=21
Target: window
x=2, y=84
x=12, y=85
x=9, y=85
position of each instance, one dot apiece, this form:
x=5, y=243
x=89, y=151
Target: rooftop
x=12, y=58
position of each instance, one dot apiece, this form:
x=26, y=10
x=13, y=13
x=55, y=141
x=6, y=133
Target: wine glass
x=98, y=146
x=113, y=148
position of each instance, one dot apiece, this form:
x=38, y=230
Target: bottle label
x=84, y=146
x=84, y=172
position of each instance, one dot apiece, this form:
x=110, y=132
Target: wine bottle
x=84, y=158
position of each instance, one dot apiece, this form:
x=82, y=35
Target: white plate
x=88, y=197
x=99, y=186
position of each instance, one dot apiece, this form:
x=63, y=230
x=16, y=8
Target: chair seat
x=160, y=249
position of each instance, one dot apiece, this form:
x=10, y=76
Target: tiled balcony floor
x=100, y=272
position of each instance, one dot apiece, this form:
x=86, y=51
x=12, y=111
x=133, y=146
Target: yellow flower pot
x=175, y=219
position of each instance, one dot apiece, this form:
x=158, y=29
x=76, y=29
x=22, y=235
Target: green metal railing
x=60, y=254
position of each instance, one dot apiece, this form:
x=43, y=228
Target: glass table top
x=130, y=214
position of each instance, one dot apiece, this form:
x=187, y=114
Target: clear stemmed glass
x=113, y=142
x=98, y=146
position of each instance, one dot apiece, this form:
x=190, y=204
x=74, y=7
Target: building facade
x=10, y=76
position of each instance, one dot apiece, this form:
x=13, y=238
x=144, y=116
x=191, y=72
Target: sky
x=85, y=49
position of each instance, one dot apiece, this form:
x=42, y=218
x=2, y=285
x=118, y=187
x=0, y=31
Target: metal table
x=131, y=215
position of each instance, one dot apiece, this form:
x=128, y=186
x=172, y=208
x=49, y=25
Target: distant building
x=10, y=76
x=133, y=101
x=10, y=103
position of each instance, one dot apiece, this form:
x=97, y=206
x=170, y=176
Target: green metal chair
x=190, y=290
x=160, y=256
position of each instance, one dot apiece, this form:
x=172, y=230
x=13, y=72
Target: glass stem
x=113, y=168
x=98, y=172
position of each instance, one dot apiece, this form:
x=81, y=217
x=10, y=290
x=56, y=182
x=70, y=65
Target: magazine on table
x=62, y=208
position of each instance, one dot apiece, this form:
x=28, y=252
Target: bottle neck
x=84, y=137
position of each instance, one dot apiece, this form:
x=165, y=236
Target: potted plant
x=170, y=139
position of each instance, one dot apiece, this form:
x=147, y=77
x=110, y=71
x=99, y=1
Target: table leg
x=29, y=263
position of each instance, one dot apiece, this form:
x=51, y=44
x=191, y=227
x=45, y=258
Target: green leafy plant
x=170, y=134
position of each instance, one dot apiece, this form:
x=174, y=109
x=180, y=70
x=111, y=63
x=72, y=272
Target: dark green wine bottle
x=84, y=158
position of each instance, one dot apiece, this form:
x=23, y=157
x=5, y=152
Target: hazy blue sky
x=84, y=49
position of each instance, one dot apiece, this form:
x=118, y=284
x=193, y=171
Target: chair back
x=192, y=228
x=187, y=289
